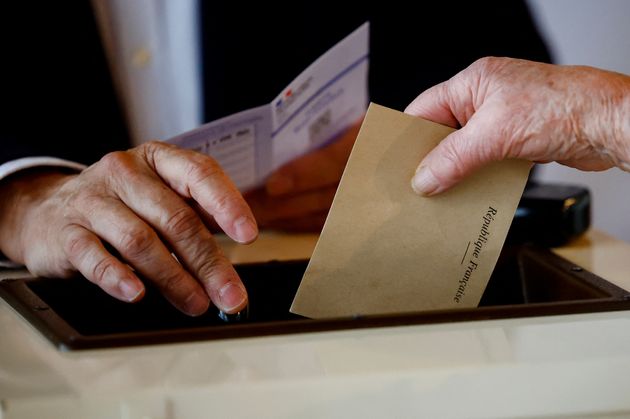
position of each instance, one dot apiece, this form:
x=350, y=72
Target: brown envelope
x=384, y=249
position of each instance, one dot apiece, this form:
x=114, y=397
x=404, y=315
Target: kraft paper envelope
x=385, y=249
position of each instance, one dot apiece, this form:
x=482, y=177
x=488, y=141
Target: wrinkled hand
x=139, y=202
x=509, y=108
x=297, y=196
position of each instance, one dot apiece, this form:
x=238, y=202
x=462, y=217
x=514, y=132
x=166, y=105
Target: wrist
x=22, y=195
x=606, y=122
x=620, y=121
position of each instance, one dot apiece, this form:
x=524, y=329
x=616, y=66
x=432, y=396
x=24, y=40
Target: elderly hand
x=509, y=108
x=297, y=196
x=146, y=203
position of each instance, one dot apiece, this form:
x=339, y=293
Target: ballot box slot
x=75, y=314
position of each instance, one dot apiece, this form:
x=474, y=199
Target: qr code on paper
x=319, y=130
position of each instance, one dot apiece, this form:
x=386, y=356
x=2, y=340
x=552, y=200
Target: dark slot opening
x=76, y=314
x=518, y=278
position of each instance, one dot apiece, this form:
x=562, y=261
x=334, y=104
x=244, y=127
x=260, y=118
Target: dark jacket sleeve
x=56, y=87
x=58, y=90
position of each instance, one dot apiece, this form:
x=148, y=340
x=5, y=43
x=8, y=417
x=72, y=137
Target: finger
x=434, y=105
x=194, y=175
x=315, y=170
x=455, y=157
x=141, y=247
x=207, y=219
x=88, y=255
x=187, y=236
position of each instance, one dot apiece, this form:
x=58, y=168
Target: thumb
x=454, y=158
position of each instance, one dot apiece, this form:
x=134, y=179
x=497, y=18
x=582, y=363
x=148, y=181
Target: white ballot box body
x=569, y=366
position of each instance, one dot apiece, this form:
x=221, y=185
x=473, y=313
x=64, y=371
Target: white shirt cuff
x=15, y=166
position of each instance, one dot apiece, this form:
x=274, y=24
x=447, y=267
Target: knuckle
x=76, y=245
x=115, y=161
x=136, y=242
x=151, y=147
x=99, y=271
x=83, y=203
x=182, y=224
x=201, y=171
x=149, y=151
x=496, y=68
x=208, y=268
x=454, y=159
x=485, y=63
x=224, y=204
x=173, y=283
x=153, y=144
x=119, y=165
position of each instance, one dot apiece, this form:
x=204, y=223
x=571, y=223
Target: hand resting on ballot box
x=129, y=211
x=145, y=203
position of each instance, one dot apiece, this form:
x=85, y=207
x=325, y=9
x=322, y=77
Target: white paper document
x=322, y=102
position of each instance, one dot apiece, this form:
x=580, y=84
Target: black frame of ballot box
x=75, y=314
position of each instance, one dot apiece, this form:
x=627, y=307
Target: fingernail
x=423, y=182
x=196, y=304
x=279, y=184
x=232, y=297
x=246, y=229
x=131, y=290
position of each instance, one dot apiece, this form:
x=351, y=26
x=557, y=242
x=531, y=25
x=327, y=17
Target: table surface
x=561, y=366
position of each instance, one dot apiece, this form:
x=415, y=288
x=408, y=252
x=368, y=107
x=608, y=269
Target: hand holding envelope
x=384, y=249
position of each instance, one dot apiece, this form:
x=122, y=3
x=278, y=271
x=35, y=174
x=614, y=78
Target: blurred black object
x=61, y=97
x=551, y=214
x=249, y=57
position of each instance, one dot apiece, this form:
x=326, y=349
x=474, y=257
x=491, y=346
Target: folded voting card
x=322, y=102
x=385, y=249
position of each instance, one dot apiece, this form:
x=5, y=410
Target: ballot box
x=75, y=314
x=553, y=325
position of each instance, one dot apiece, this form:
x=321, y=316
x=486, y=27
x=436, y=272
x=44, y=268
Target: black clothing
x=58, y=93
